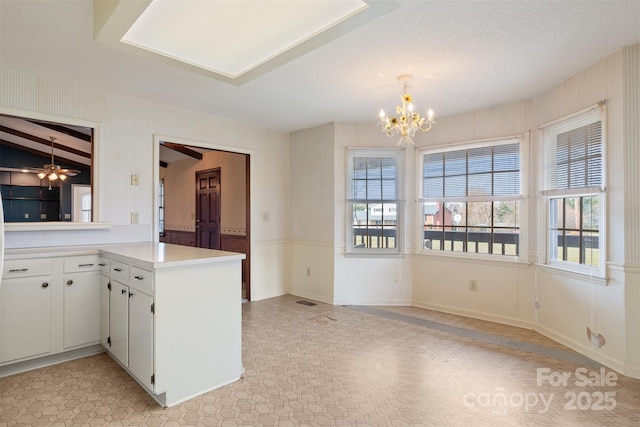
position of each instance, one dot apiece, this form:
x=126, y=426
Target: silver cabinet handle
x=69, y=282
x=45, y=285
x=18, y=270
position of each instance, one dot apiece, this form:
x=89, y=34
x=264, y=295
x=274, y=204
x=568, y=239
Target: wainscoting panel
x=235, y=243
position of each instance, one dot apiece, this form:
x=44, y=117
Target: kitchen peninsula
x=170, y=315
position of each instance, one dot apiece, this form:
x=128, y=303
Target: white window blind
x=373, y=175
x=473, y=173
x=573, y=154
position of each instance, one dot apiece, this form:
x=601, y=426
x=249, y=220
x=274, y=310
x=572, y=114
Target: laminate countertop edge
x=146, y=254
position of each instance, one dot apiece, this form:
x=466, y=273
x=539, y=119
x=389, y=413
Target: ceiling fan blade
x=26, y=170
x=69, y=172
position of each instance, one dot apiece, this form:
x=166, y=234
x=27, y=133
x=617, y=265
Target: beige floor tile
x=337, y=366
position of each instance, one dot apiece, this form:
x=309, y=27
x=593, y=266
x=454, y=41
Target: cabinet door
x=81, y=319
x=141, y=337
x=119, y=322
x=104, y=310
x=25, y=317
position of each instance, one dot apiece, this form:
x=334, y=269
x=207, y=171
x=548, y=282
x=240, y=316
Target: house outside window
x=374, y=201
x=573, y=190
x=471, y=198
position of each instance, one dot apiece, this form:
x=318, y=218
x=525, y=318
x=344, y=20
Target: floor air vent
x=303, y=302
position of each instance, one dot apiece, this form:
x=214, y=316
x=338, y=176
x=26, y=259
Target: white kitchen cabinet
x=169, y=314
x=81, y=320
x=127, y=315
x=105, y=287
x=25, y=309
x=118, y=340
x=141, y=309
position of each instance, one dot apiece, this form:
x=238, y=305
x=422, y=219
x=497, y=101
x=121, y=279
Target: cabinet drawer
x=141, y=279
x=26, y=268
x=119, y=271
x=104, y=265
x=75, y=264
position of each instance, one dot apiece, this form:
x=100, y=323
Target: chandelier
x=53, y=172
x=408, y=122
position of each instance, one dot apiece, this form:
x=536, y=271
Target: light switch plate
x=135, y=180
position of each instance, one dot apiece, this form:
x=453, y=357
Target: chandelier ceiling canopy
x=408, y=122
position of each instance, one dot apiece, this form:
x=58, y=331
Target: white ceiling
x=463, y=55
x=255, y=40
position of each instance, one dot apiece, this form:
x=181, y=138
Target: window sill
x=374, y=255
x=574, y=274
x=476, y=258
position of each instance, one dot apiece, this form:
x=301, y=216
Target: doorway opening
x=204, y=200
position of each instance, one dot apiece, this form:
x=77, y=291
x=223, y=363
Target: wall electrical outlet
x=135, y=218
x=135, y=180
x=473, y=285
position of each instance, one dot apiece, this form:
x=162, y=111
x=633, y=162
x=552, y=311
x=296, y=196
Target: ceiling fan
x=51, y=172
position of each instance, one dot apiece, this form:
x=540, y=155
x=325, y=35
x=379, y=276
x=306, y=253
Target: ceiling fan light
x=62, y=177
x=41, y=175
x=53, y=176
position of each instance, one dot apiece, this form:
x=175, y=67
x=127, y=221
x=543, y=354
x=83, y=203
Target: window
x=85, y=201
x=161, y=208
x=374, y=200
x=471, y=198
x=573, y=189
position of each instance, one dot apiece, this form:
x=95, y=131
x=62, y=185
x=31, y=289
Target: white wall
x=312, y=213
x=125, y=129
x=608, y=308
x=505, y=287
x=368, y=279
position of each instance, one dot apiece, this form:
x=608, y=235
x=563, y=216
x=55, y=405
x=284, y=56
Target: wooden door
x=208, y=209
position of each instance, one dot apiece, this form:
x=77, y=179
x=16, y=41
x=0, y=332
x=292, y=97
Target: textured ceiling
x=463, y=55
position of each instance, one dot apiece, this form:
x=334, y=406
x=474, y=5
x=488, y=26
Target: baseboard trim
x=605, y=360
x=53, y=359
x=476, y=315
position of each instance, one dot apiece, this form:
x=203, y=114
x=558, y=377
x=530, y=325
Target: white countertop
x=149, y=254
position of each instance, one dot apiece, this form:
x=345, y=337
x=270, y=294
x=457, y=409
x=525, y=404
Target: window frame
x=398, y=154
x=548, y=193
x=161, y=207
x=521, y=198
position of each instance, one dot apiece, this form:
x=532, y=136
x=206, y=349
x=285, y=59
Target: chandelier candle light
x=408, y=122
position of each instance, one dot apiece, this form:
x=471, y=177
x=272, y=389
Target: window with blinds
x=573, y=154
x=374, y=199
x=572, y=186
x=471, y=198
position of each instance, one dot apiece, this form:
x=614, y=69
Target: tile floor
x=347, y=366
